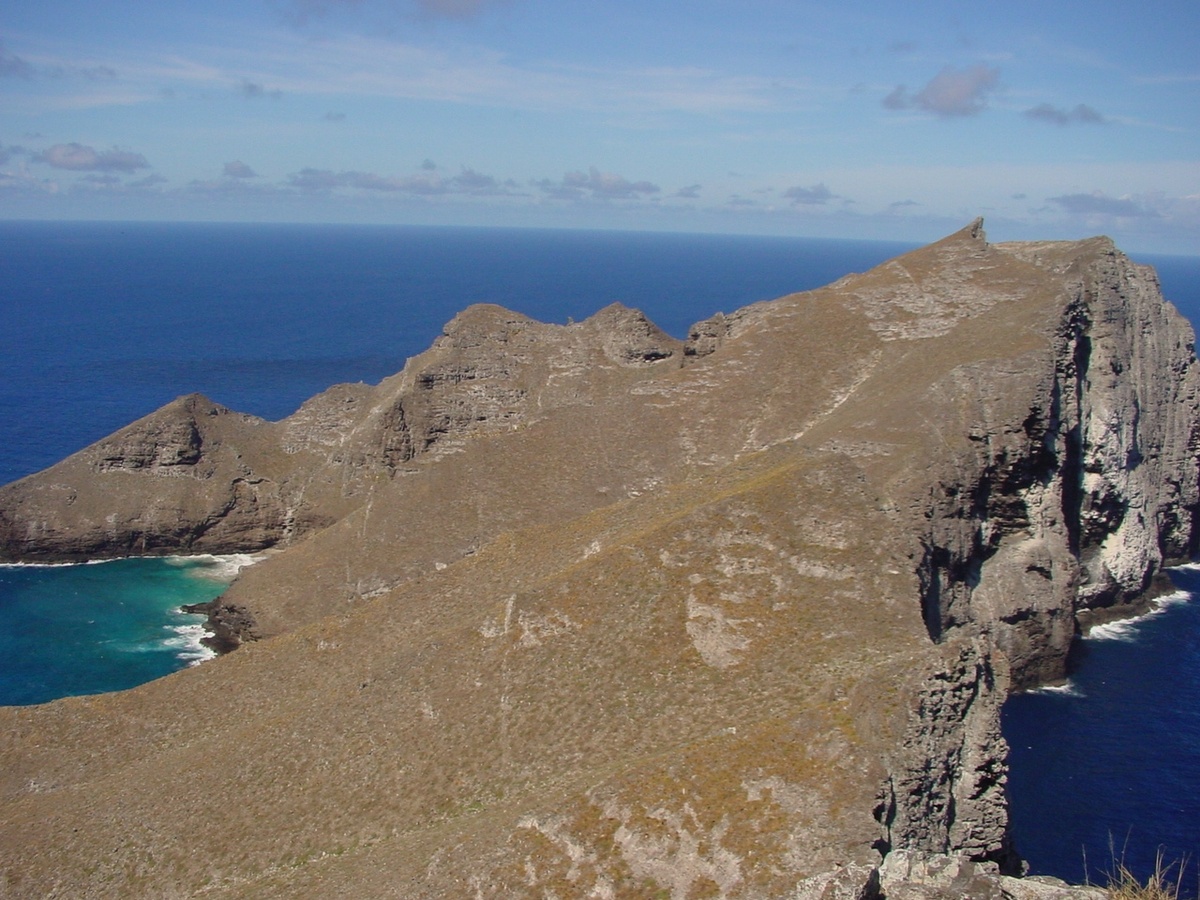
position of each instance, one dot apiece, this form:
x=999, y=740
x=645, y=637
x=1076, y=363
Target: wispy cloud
x=237, y=178
x=285, y=63
x=473, y=182
x=252, y=89
x=1102, y=205
x=817, y=195
x=428, y=182
x=454, y=9
x=12, y=150
x=951, y=93
x=301, y=12
x=595, y=184
x=1180, y=78
x=13, y=66
x=81, y=158
x=24, y=183
x=87, y=73
x=1081, y=114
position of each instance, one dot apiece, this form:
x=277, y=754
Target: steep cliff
x=587, y=611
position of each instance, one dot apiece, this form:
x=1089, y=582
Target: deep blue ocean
x=101, y=323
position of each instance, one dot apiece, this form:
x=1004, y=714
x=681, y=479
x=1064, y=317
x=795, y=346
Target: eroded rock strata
x=584, y=610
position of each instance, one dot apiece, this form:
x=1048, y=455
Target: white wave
x=187, y=643
x=29, y=565
x=1178, y=598
x=1121, y=630
x=1067, y=689
x=52, y=565
x=1127, y=629
x=217, y=567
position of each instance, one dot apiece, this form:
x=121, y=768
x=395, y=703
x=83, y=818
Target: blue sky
x=872, y=119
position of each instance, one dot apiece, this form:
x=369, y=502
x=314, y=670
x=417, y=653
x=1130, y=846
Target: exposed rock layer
x=588, y=611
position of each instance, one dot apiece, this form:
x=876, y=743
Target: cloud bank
x=1099, y=204
x=81, y=158
x=598, y=185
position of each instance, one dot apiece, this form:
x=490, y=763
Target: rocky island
x=590, y=611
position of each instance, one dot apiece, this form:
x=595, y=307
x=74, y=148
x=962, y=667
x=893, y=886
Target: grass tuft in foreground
x=1163, y=883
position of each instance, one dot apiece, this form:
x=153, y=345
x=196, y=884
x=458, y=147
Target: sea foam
x=217, y=567
x=1127, y=629
x=187, y=643
x=1067, y=689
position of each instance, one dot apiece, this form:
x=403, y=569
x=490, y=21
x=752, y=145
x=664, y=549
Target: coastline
x=1130, y=695
x=85, y=628
x=1119, y=625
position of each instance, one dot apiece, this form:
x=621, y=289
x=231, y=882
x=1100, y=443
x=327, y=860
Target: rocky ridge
x=588, y=611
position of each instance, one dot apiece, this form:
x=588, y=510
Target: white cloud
x=816, y=195
x=951, y=93
x=1099, y=204
x=473, y=182
x=596, y=185
x=238, y=169
x=426, y=183
x=81, y=158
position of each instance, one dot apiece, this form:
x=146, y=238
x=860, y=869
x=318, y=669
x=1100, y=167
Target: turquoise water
x=84, y=629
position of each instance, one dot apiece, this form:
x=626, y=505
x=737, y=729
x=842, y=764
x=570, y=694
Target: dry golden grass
x=1162, y=884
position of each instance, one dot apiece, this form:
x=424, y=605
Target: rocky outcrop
x=174, y=481
x=1073, y=497
x=913, y=875
x=945, y=788
x=584, y=610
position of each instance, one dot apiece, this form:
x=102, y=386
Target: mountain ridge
x=587, y=610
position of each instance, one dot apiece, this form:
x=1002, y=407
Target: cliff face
x=1071, y=495
x=587, y=611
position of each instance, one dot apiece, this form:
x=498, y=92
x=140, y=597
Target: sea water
x=101, y=323
x=104, y=626
x=1105, y=770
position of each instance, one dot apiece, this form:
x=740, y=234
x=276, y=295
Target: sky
x=875, y=120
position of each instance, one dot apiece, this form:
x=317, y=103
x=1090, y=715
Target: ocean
x=101, y=323
x=1107, y=768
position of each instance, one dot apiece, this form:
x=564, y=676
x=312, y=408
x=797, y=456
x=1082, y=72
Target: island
x=587, y=610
